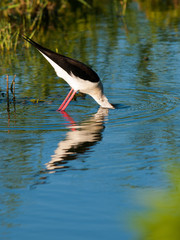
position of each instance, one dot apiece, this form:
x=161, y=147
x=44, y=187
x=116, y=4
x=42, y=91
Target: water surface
x=84, y=174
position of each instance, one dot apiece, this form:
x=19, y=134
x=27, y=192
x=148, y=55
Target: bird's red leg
x=68, y=101
x=63, y=103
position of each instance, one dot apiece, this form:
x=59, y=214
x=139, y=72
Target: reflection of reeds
x=7, y=93
x=161, y=12
x=12, y=88
x=13, y=92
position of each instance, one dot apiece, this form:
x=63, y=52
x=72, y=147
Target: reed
x=124, y=5
x=30, y=15
x=5, y=35
x=8, y=38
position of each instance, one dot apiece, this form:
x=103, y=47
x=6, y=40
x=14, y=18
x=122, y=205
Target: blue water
x=85, y=174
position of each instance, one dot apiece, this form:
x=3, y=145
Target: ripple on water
x=139, y=105
x=29, y=118
x=134, y=105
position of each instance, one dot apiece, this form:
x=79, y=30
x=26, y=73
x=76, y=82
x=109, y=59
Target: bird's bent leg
x=70, y=96
x=68, y=101
x=63, y=103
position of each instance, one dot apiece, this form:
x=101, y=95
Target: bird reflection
x=78, y=140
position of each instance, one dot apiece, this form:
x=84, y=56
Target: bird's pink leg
x=63, y=103
x=68, y=101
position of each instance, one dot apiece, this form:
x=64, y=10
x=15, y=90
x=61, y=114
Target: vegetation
x=162, y=219
x=28, y=16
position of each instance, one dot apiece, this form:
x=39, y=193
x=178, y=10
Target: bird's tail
x=36, y=45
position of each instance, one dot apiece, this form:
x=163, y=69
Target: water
x=92, y=173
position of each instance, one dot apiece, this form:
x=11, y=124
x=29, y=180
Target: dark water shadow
x=120, y=106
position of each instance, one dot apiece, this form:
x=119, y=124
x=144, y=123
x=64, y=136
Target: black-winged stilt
x=79, y=76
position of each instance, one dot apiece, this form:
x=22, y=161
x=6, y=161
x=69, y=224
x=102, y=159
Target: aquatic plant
x=28, y=16
x=8, y=39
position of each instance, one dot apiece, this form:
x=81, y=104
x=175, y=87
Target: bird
x=78, y=75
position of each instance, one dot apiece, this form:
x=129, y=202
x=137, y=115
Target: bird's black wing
x=70, y=65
